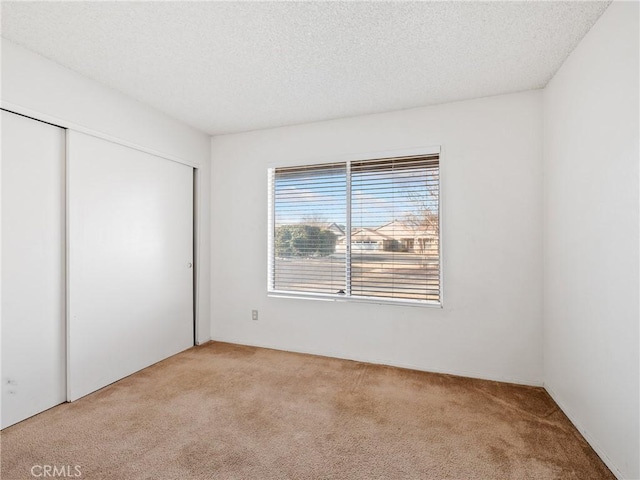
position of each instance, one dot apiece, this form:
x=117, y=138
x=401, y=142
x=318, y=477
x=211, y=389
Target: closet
x=130, y=261
x=97, y=263
x=33, y=267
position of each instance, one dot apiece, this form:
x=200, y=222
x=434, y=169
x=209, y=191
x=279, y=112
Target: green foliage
x=304, y=241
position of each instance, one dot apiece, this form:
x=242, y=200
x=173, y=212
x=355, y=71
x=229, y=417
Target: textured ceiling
x=235, y=66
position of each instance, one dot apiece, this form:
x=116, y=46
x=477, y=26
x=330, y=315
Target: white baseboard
x=377, y=361
x=587, y=436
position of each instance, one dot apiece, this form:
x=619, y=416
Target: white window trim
x=415, y=151
x=356, y=157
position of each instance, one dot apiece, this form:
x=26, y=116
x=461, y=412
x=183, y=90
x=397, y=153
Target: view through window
x=361, y=229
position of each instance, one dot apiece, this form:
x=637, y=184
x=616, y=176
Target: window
x=360, y=230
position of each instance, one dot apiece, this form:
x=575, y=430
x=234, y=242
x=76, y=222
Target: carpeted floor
x=224, y=411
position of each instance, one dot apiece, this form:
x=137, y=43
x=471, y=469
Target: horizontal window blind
x=394, y=222
x=310, y=217
x=361, y=229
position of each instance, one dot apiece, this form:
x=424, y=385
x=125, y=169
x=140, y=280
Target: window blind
x=310, y=218
x=358, y=229
x=394, y=222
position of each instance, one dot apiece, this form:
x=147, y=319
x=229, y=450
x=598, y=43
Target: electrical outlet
x=254, y=314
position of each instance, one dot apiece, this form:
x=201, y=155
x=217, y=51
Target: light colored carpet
x=224, y=411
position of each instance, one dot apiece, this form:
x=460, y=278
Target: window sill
x=341, y=298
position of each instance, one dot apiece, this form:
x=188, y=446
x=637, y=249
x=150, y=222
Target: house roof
x=367, y=234
x=399, y=229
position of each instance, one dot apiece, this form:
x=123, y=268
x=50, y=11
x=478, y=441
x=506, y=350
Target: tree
x=304, y=241
x=423, y=220
x=314, y=219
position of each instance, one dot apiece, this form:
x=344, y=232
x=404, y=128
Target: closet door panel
x=130, y=255
x=33, y=267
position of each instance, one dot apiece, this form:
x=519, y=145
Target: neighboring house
x=338, y=230
x=395, y=236
x=407, y=237
x=369, y=239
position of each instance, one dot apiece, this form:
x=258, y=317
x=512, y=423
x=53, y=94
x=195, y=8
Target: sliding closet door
x=130, y=244
x=33, y=266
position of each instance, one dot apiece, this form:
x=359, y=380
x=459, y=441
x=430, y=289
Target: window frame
x=334, y=297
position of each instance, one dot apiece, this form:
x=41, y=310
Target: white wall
x=591, y=304
x=35, y=86
x=492, y=218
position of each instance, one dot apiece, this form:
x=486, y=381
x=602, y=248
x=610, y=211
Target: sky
x=377, y=197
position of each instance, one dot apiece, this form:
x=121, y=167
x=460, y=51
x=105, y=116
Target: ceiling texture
x=226, y=67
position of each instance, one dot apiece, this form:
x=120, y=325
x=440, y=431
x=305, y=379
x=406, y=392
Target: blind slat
x=394, y=218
